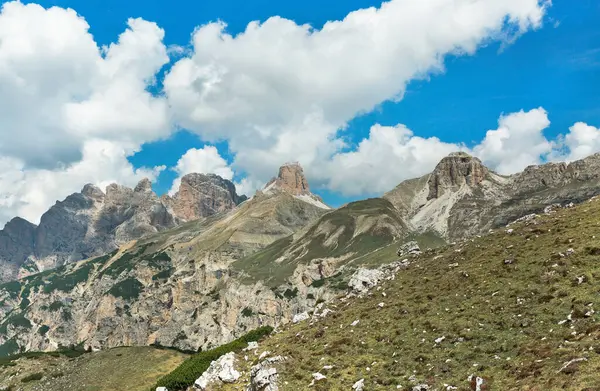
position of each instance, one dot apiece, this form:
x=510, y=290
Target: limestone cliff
x=462, y=197
x=92, y=222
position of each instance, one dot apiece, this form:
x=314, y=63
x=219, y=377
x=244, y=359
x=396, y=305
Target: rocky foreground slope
x=93, y=222
x=515, y=309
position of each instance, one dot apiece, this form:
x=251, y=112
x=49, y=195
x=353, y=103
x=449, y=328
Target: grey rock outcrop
x=364, y=279
x=453, y=172
x=291, y=180
x=461, y=197
x=264, y=376
x=221, y=370
x=17, y=241
x=92, y=223
x=203, y=195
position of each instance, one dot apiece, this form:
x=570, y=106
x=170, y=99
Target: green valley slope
x=345, y=236
x=516, y=307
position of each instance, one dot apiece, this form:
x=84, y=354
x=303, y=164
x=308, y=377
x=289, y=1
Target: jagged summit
x=93, y=222
x=143, y=186
x=92, y=191
x=202, y=195
x=291, y=179
x=454, y=171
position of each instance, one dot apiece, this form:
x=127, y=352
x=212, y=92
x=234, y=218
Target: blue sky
x=555, y=67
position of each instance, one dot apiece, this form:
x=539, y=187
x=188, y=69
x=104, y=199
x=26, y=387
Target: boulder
x=364, y=279
x=359, y=385
x=221, y=370
x=300, y=317
x=410, y=248
x=263, y=376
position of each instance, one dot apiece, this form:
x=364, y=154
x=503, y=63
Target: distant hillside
x=516, y=307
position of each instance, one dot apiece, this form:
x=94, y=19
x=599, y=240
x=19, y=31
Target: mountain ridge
x=92, y=222
x=268, y=260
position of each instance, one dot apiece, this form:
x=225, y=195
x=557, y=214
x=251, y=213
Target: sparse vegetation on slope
x=352, y=231
x=127, y=368
x=186, y=374
x=516, y=307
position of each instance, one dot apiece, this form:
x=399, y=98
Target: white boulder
x=301, y=317
x=221, y=370
x=364, y=279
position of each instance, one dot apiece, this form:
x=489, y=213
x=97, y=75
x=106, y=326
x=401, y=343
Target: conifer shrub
x=186, y=374
x=32, y=377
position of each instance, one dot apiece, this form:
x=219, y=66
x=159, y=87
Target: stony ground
x=516, y=307
x=129, y=368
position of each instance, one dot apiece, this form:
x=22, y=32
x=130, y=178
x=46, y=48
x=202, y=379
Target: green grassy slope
x=510, y=307
x=348, y=233
x=127, y=368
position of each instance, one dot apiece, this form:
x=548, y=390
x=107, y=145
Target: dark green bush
x=186, y=374
x=32, y=377
x=163, y=275
x=318, y=283
x=43, y=330
x=247, y=312
x=127, y=289
x=290, y=294
x=55, y=305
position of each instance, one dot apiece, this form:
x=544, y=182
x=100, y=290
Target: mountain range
x=194, y=271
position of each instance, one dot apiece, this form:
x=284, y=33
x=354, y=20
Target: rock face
x=263, y=376
x=291, y=179
x=91, y=222
x=187, y=287
x=202, y=195
x=454, y=171
x=16, y=244
x=461, y=197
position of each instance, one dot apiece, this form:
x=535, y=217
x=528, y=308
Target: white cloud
x=581, y=141
x=60, y=94
x=393, y=154
x=381, y=161
x=517, y=143
x=280, y=91
x=30, y=192
x=206, y=160
x=276, y=92
x=59, y=89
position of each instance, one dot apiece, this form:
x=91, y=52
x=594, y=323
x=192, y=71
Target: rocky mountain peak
x=143, y=186
x=453, y=172
x=290, y=179
x=202, y=195
x=18, y=226
x=93, y=192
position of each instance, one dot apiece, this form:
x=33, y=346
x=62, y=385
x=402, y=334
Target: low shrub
x=186, y=374
x=32, y=377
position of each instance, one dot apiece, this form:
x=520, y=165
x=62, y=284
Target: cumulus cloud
x=29, y=192
x=518, y=142
x=279, y=82
x=58, y=88
x=390, y=155
x=71, y=111
x=581, y=141
x=278, y=91
x=206, y=160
